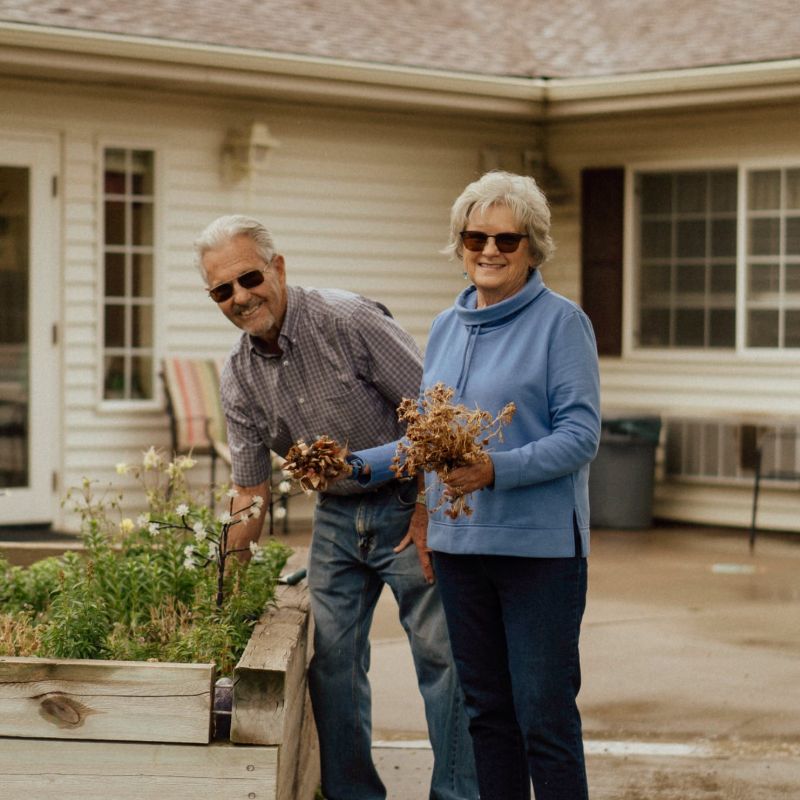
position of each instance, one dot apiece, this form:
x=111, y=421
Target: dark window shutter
x=602, y=209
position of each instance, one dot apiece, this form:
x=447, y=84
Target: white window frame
x=631, y=277
x=156, y=401
x=744, y=211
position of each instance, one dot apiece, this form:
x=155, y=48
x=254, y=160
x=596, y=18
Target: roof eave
x=756, y=82
x=86, y=56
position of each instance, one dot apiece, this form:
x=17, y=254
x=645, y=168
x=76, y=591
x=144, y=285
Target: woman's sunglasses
x=247, y=280
x=504, y=242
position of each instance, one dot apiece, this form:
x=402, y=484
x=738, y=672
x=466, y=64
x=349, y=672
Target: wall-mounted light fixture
x=533, y=162
x=245, y=150
x=536, y=164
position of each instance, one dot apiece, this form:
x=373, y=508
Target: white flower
x=232, y=492
x=126, y=526
x=188, y=550
x=185, y=462
x=225, y=518
x=143, y=519
x=286, y=473
x=173, y=469
x=152, y=459
x=188, y=563
x=284, y=487
x=279, y=512
x=257, y=550
x=200, y=532
x=258, y=500
x=153, y=528
x=122, y=468
x=182, y=510
x=213, y=550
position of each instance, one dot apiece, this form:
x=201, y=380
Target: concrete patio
x=691, y=685
x=690, y=648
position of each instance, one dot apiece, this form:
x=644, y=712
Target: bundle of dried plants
x=441, y=436
x=315, y=465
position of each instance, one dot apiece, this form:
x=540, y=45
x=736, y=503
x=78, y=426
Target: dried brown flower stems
x=441, y=436
x=315, y=465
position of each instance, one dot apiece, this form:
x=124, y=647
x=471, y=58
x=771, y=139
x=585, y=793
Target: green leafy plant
x=164, y=587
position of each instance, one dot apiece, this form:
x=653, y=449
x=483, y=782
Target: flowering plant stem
x=139, y=589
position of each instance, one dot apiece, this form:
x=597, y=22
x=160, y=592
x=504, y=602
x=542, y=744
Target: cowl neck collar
x=497, y=313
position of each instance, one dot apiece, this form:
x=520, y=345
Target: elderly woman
x=512, y=575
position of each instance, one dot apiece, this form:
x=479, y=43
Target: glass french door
x=29, y=278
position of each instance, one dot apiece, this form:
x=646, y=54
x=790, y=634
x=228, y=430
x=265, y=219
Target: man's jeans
x=351, y=558
x=514, y=625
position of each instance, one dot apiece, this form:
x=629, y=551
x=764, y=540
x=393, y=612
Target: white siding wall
x=756, y=387
x=357, y=200
x=360, y=200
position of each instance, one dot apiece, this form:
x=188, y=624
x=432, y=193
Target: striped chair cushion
x=193, y=388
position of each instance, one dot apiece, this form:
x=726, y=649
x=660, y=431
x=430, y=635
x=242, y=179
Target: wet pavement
x=691, y=670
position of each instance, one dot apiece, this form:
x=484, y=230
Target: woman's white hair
x=521, y=195
x=222, y=230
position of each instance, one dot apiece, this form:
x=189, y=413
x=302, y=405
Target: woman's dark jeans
x=514, y=625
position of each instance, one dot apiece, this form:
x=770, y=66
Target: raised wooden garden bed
x=74, y=730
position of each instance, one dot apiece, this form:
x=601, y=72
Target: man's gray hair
x=521, y=195
x=222, y=230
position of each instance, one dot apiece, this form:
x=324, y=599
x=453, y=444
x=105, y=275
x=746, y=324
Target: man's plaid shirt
x=344, y=369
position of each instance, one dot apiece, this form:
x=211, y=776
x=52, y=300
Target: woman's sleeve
x=380, y=460
x=573, y=397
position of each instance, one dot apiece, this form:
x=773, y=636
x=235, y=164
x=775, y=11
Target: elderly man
x=313, y=362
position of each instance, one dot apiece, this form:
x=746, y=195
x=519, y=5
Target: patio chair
x=196, y=421
x=754, y=442
x=197, y=426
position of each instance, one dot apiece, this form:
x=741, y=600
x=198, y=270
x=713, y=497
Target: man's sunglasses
x=504, y=242
x=247, y=280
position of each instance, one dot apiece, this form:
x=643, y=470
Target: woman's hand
x=463, y=480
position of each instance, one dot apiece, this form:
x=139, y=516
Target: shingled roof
x=514, y=38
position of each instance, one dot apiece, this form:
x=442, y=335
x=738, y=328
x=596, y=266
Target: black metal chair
x=754, y=441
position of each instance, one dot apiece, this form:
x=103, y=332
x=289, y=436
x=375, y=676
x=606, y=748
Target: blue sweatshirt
x=536, y=349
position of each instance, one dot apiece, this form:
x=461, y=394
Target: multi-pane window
x=773, y=258
x=688, y=259
x=128, y=297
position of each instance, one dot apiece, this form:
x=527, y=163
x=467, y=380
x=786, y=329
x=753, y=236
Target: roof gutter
x=766, y=81
x=76, y=55
x=68, y=54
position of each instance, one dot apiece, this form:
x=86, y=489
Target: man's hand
x=418, y=534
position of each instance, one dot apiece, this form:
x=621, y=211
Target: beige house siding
x=356, y=199
x=717, y=386
x=359, y=200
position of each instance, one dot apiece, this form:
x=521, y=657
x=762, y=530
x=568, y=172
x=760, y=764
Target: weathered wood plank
x=58, y=770
x=307, y=774
x=271, y=704
x=127, y=701
x=270, y=680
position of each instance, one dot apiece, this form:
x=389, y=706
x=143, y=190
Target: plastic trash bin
x=621, y=476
